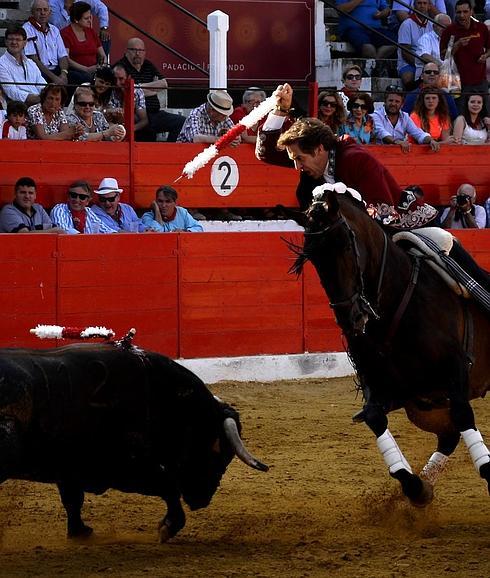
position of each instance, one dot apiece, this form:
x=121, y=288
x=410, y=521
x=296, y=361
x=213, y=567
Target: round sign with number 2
x=224, y=176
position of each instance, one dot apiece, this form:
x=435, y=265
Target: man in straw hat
x=208, y=122
x=118, y=216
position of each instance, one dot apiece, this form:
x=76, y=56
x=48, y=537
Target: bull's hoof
x=82, y=531
x=166, y=530
x=164, y=534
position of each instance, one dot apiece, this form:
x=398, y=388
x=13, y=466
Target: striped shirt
x=61, y=217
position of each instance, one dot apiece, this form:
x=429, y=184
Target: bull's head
x=200, y=484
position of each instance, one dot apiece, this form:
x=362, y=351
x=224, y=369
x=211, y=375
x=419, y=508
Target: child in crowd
x=13, y=127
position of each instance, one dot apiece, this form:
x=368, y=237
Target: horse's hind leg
x=418, y=491
x=479, y=453
x=446, y=444
x=464, y=420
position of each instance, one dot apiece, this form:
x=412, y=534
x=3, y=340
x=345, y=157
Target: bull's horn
x=231, y=431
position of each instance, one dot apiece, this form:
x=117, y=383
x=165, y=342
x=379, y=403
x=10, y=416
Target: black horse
x=413, y=342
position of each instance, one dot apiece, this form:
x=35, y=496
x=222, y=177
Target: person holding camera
x=463, y=213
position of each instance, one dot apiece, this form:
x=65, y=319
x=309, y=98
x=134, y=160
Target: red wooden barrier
x=237, y=180
x=188, y=295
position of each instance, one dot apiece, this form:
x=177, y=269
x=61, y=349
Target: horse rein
x=358, y=295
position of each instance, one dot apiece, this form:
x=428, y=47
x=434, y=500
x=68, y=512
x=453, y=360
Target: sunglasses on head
x=104, y=199
x=353, y=76
x=328, y=103
x=75, y=195
x=435, y=72
x=393, y=89
x=359, y=105
x=85, y=103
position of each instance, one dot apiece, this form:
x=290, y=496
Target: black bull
x=91, y=417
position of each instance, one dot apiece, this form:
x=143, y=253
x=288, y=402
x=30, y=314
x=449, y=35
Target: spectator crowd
x=56, y=84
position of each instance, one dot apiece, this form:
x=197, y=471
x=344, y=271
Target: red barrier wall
x=188, y=295
x=141, y=167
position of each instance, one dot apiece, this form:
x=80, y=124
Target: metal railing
x=159, y=42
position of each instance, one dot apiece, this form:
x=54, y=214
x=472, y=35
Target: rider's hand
x=284, y=98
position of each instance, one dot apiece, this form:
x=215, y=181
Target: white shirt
x=12, y=134
x=409, y=33
x=49, y=47
x=439, y=4
x=429, y=43
x=480, y=218
x=13, y=71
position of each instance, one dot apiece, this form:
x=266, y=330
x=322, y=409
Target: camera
x=462, y=199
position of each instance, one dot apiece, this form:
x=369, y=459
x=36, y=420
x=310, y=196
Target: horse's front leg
x=418, y=491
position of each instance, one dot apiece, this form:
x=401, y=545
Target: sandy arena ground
x=327, y=507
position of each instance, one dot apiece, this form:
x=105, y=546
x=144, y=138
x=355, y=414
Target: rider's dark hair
x=308, y=134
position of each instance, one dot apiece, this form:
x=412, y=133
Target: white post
x=322, y=45
x=218, y=25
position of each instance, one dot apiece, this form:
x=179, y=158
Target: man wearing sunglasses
x=75, y=216
x=312, y=148
x=119, y=216
x=430, y=79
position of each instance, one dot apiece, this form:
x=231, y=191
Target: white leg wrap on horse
x=392, y=454
x=434, y=467
x=478, y=450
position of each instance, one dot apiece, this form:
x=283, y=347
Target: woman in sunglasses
x=331, y=110
x=431, y=114
x=352, y=78
x=359, y=124
x=94, y=126
x=75, y=216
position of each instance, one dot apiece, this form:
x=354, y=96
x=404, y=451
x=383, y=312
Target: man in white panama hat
x=208, y=122
x=120, y=217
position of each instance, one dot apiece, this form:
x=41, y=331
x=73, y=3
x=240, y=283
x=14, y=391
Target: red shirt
x=84, y=53
x=466, y=57
x=237, y=115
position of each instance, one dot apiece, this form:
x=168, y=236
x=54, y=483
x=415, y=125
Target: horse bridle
x=359, y=295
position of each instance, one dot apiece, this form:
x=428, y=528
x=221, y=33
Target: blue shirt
x=183, y=221
x=364, y=12
x=61, y=18
x=128, y=219
x=404, y=126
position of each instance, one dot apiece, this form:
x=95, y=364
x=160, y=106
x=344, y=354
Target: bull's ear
x=293, y=214
x=333, y=203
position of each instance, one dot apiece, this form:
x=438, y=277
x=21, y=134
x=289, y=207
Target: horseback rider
x=321, y=157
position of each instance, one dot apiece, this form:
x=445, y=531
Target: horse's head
x=332, y=243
